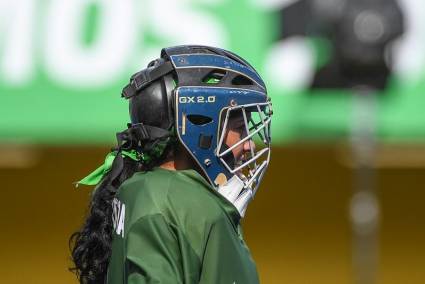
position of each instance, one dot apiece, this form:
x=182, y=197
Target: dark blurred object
x=360, y=33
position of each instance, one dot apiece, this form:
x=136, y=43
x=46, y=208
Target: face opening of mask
x=244, y=142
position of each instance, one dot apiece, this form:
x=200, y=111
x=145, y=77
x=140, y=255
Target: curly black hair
x=91, y=246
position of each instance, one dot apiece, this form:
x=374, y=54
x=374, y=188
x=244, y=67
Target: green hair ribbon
x=96, y=176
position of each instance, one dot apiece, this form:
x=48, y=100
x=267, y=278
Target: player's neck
x=180, y=162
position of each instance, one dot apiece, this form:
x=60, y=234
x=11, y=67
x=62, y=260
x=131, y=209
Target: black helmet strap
x=140, y=133
x=145, y=77
x=130, y=139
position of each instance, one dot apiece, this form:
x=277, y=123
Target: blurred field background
x=63, y=65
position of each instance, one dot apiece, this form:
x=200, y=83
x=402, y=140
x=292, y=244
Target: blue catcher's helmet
x=194, y=91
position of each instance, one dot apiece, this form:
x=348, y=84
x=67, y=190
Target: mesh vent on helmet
x=214, y=76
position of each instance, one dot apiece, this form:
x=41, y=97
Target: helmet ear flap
x=153, y=105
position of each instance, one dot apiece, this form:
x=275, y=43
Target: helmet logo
x=196, y=99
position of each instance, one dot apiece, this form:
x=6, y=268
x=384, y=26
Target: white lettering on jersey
x=118, y=216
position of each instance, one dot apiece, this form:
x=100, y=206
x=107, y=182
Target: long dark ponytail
x=151, y=136
x=91, y=246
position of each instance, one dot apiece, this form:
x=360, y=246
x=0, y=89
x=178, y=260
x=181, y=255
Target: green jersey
x=173, y=227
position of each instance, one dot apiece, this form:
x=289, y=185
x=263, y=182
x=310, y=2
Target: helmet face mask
x=251, y=152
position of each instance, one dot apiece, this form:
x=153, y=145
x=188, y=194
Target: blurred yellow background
x=298, y=226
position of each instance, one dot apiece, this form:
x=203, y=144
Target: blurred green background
x=63, y=65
